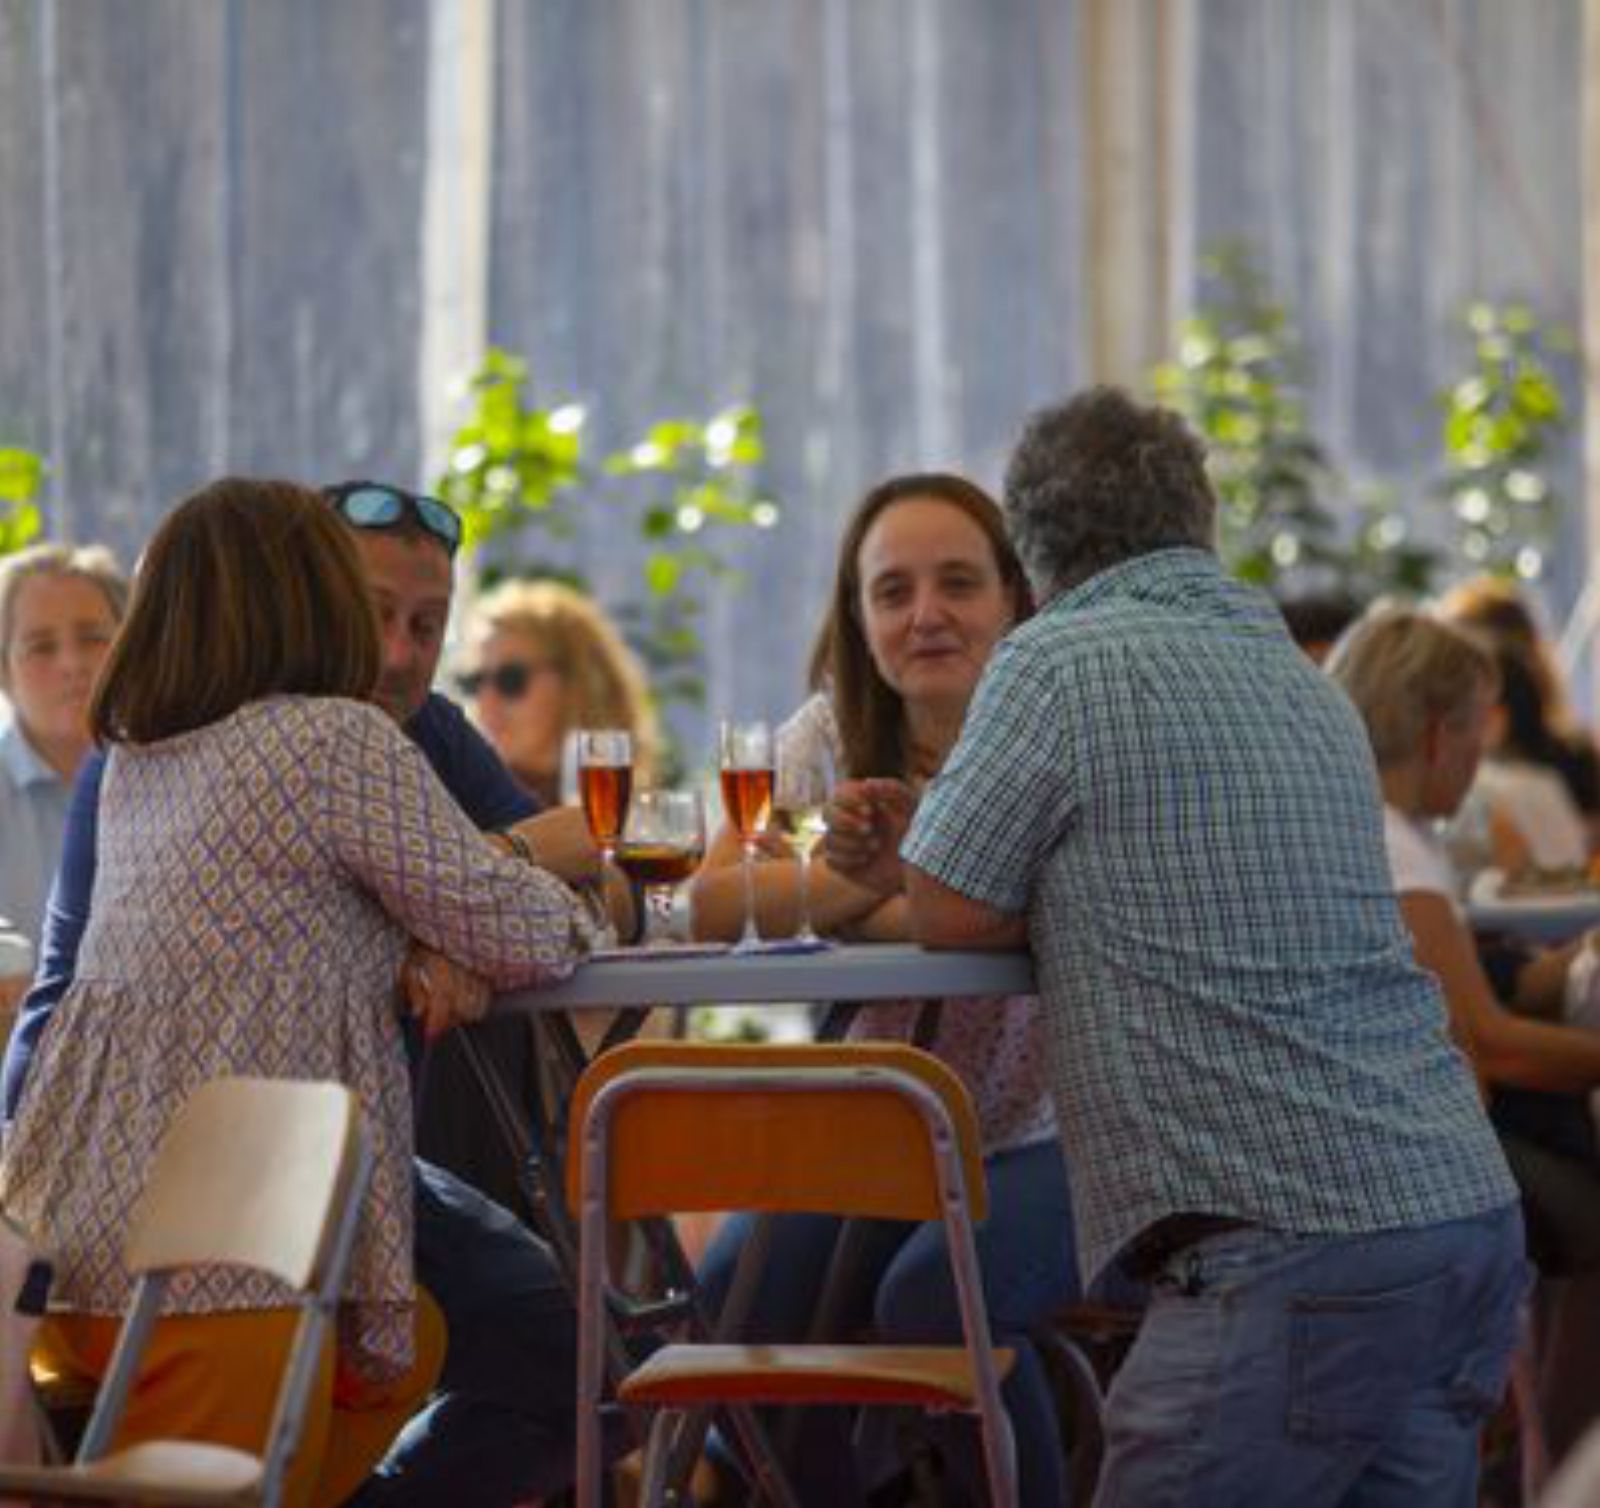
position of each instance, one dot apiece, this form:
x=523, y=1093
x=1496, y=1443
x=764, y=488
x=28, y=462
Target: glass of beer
x=605, y=782
x=746, y=760
x=663, y=841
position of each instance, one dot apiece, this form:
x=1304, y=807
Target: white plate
x=1488, y=888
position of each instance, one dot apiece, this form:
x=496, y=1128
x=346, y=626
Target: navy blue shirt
x=465, y=764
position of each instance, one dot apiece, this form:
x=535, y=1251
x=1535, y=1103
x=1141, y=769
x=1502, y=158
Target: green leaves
x=1500, y=422
x=21, y=475
x=509, y=463
x=1236, y=378
x=1289, y=518
x=517, y=470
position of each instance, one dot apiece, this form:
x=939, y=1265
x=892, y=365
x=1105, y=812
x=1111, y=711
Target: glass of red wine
x=746, y=760
x=663, y=841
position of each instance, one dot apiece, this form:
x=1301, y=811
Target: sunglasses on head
x=376, y=505
x=509, y=680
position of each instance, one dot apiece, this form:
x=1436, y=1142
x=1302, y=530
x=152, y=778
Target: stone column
x=1136, y=87
x=455, y=221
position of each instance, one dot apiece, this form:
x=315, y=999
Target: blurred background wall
x=893, y=225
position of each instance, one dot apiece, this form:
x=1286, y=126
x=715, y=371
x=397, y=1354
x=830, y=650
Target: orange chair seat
x=937, y=1377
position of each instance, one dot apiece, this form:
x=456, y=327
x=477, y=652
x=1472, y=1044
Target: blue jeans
x=501, y=1426
x=905, y=1291
x=1318, y=1370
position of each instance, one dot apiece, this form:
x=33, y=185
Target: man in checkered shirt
x=1262, y=1110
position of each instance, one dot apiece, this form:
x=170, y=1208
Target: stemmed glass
x=803, y=788
x=746, y=760
x=663, y=841
x=605, y=782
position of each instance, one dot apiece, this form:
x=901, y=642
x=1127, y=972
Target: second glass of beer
x=605, y=783
x=747, y=771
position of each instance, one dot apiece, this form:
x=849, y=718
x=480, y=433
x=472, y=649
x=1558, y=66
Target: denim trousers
x=904, y=1289
x=1316, y=1370
x=501, y=1426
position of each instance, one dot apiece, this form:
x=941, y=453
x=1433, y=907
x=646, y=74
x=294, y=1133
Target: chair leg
x=1080, y=1404
x=1000, y=1460
x=1530, y=1429
x=657, y=1458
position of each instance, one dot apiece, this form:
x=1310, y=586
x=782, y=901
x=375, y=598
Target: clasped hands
x=867, y=822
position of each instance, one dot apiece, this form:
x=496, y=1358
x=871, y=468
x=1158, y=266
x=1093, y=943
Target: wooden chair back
x=765, y=1147
x=246, y=1176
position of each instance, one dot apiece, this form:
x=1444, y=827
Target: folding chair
x=858, y=1129
x=259, y=1173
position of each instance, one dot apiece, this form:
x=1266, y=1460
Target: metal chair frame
x=784, y=1076
x=242, y=1186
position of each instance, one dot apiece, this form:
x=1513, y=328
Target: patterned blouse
x=259, y=882
x=998, y=1049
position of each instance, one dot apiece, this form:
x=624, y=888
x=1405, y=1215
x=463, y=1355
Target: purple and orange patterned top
x=259, y=881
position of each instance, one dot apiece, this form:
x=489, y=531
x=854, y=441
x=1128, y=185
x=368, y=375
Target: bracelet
x=519, y=845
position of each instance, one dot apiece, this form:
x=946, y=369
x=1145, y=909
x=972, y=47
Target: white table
x=853, y=971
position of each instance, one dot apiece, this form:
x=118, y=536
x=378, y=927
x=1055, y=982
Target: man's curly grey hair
x=1100, y=479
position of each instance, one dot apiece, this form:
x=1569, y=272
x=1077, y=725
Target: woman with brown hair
x=269, y=844
x=1540, y=781
x=926, y=587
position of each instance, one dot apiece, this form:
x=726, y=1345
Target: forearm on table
x=522, y=843
x=945, y=918
x=1505, y=1048
x=888, y=921
x=719, y=899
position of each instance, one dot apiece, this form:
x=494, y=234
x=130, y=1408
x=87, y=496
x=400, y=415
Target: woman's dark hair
x=868, y=710
x=249, y=589
x=1528, y=734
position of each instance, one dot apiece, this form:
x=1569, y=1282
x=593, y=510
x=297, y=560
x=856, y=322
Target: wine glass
x=746, y=760
x=605, y=781
x=663, y=841
x=803, y=788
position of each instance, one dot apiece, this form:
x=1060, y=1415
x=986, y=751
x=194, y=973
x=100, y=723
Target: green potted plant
x=1237, y=375
x=518, y=474
x=1503, y=421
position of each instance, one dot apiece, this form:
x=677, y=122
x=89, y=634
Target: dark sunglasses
x=376, y=505
x=509, y=680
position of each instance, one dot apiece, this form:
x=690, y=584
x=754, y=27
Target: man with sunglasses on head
x=500, y=1428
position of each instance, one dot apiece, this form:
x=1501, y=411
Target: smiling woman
x=926, y=587
x=59, y=609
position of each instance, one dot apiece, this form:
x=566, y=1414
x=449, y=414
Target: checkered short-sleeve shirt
x=1189, y=815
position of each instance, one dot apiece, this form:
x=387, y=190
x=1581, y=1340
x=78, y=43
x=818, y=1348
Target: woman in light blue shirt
x=59, y=608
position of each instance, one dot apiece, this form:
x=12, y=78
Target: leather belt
x=1160, y=1243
